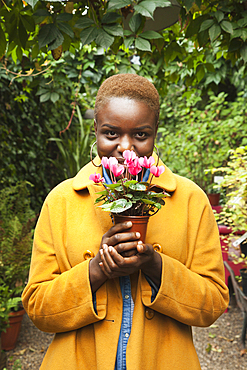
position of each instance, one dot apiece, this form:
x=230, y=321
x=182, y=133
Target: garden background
x=54, y=56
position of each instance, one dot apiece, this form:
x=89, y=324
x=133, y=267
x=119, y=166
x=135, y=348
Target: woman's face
x=125, y=124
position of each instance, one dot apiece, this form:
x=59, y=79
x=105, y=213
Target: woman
x=109, y=308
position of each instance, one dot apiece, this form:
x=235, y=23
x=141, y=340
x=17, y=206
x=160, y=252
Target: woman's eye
x=141, y=135
x=111, y=133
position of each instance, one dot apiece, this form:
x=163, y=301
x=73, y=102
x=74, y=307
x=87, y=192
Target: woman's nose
x=125, y=144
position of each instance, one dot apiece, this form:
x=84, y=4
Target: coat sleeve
x=193, y=293
x=58, y=297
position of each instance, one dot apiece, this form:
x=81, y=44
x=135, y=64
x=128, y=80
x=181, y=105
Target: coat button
x=88, y=254
x=157, y=247
x=149, y=313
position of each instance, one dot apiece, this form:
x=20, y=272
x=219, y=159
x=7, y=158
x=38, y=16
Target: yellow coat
x=58, y=296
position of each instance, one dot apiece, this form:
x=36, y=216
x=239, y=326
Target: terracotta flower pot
x=9, y=338
x=214, y=199
x=139, y=224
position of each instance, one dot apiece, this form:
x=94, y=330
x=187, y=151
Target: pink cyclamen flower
x=129, y=156
x=105, y=162
x=96, y=178
x=112, y=161
x=146, y=162
x=134, y=167
x=157, y=171
x=117, y=169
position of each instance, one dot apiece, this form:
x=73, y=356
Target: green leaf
x=88, y=35
x=110, y=17
x=243, y=52
x=65, y=27
x=150, y=35
x=64, y=17
x=32, y=2
x=23, y=36
x=142, y=44
x=45, y=97
x=226, y=26
x=118, y=4
x=135, y=22
x=145, y=8
x=140, y=187
x=120, y=205
x=219, y=16
x=19, y=53
x=84, y=22
x=28, y=22
x=115, y=30
x=3, y=42
x=57, y=42
x=41, y=13
x=200, y=72
x=104, y=39
x=214, y=32
x=206, y=24
x=54, y=97
x=47, y=34
x=188, y=4
x=128, y=42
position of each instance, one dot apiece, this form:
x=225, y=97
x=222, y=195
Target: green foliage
x=4, y=308
x=234, y=213
x=74, y=148
x=194, y=139
x=16, y=230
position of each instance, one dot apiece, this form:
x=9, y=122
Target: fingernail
x=138, y=235
x=139, y=242
x=101, y=251
x=129, y=224
x=110, y=249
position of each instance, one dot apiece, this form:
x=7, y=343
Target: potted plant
x=16, y=231
x=234, y=212
x=128, y=196
x=4, y=314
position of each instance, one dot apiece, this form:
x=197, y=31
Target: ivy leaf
x=64, y=17
x=57, y=42
x=54, y=97
x=84, y=22
x=188, y=4
x=142, y=44
x=32, y=2
x=47, y=34
x=128, y=42
x=3, y=42
x=118, y=4
x=28, y=22
x=104, y=39
x=150, y=35
x=200, y=72
x=115, y=30
x=145, y=8
x=219, y=16
x=214, y=32
x=206, y=24
x=110, y=17
x=243, y=52
x=65, y=27
x=45, y=97
x=226, y=26
x=135, y=22
x=88, y=35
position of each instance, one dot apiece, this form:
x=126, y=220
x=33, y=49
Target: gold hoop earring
x=91, y=155
x=158, y=154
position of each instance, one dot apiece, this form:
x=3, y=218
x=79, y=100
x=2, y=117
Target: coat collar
x=167, y=180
